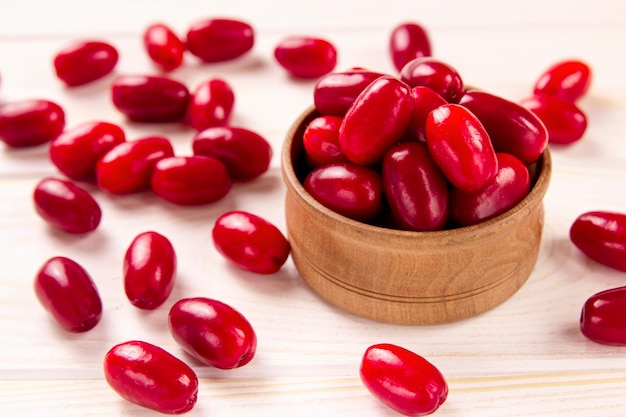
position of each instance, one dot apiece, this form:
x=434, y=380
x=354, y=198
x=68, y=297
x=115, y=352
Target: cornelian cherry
x=335, y=92
x=246, y=154
x=190, y=180
x=408, y=41
x=461, y=148
x=321, y=141
x=250, y=242
x=416, y=189
x=403, y=380
x=425, y=101
x=568, y=79
x=76, y=151
x=564, y=120
x=211, y=104
x=66, y=206
x=602, y=318
x=376, y=120
x=149, y=269
x=351, y=190
x=218, y=40
x=306, y=57
x=212, y=332
x=435, y=74
x=163, y=47
x=27, y=123
x=127, y=167
x=65, y=289
x=510, y=185
x=151, y=377
x=601, y=235
x=150, y=98
x=85, y=61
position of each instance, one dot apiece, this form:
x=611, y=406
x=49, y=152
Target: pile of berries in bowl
x=411, y=198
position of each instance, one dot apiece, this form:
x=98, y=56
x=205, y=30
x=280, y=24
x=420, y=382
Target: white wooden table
x=524, y=358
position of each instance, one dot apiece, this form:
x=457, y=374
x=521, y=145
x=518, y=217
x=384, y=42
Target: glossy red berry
x=435, y=74
x=66, y=206
x=565, y=122
x=425, y=101
x=149, y=270
x=321, y=141
x=28, y=123
x=76, y=151
x=510, y=185
x=211, y=104
x=602, y=318
x=376, y=120
x=150, y=98
x=84, y=62
x=512, y=128
x=151, y=377
x=351, y=190
x=246, y=154
x=190, y=180
x=163, y=47
x=335, y=92
x=306, y=57
x=250, y=242
x=408, y=41
x=460, y=146
x=67, y=292
x=217, y=40
x=415, y=188
x=127, y=167
x=212, y=332
x=403, y=380
x=568, y=79
x=601, y=235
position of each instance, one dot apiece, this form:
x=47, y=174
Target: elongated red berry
x=85, y=61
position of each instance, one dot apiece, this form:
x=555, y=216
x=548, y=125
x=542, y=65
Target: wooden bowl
x=407, y=277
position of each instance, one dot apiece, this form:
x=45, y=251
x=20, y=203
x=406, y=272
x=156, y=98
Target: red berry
x=417, y=191
x=335, y=92
x=351, y=190
x=76, y=151
x=512, y=128
x=67, y=292
x=128, y=166
x=66, y=206
x=569, y=80
x=149, y=268
x=601, y=235
x=403, y=380
x=211, y=104
x=212, y=332
x=84, y=62
x=509, y=187
x=564, y=121
x=306, y=57
x=460, y=146
x=434, y=74
x=151, y=377
x=245, y=153
x=163, y=46
x=425, y=101
x=250, y=242
x=148, y=98
x=377, y=120
x=321, y=141
x=28, y=123
x=407, y=42
x=217, y=40
x=602, y=318
x=190, y=180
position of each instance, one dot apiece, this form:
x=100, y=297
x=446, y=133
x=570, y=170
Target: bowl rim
x=536, y=194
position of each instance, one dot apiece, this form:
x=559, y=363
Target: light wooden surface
x=524, y=358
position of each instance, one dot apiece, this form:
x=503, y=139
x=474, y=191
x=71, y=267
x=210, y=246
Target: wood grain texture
x=525, y=357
